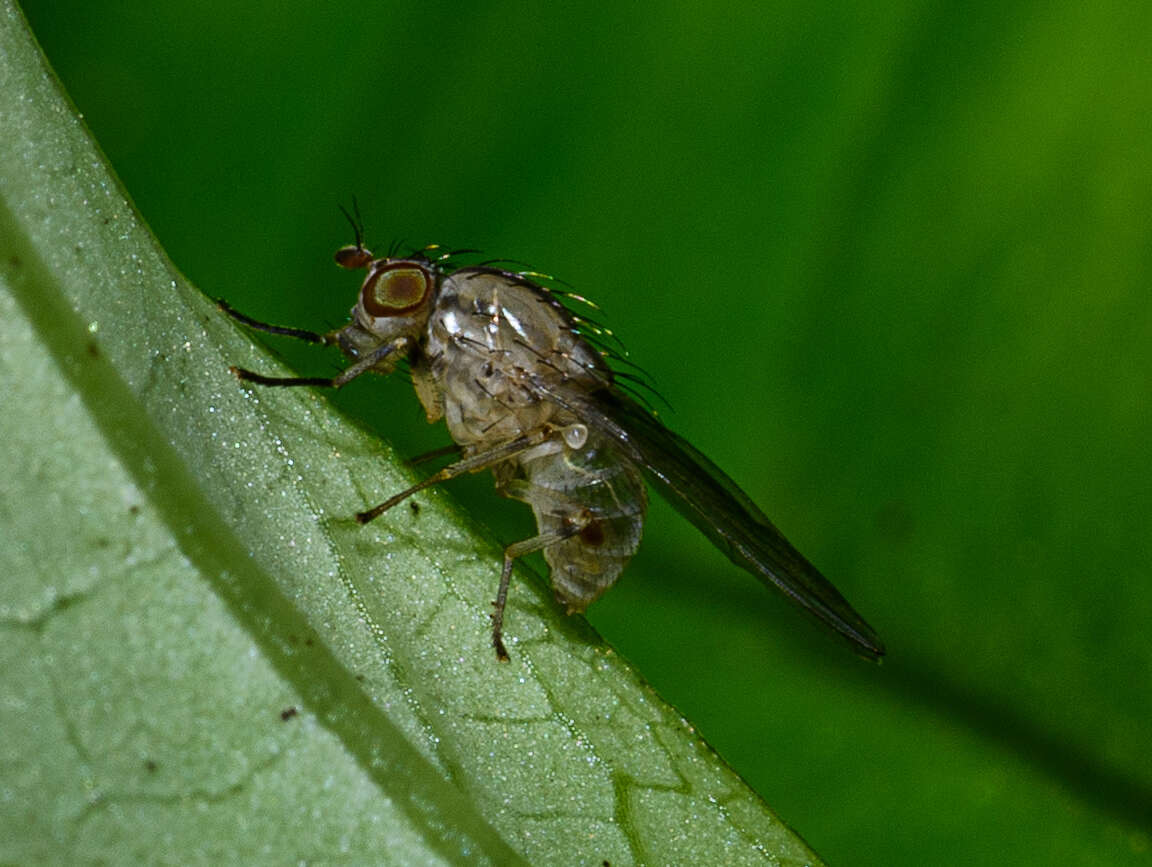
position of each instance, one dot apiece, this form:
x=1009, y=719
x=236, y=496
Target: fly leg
x=369, y=361
x=471, y=464
x=365, y=364
x=519, y=549
x=330, y=338
x=298, y=333
x=435, y=454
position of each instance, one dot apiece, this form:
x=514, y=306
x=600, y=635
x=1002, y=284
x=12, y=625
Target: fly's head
x=395, y=298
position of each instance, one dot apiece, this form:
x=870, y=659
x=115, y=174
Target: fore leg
x=326, y=339
x=369, y=361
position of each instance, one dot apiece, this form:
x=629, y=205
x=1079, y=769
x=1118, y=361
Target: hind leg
x=511, y=553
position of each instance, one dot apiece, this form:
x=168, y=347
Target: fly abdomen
x=596, y=501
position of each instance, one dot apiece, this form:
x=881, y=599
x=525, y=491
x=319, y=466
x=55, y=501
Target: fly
x=502, y=361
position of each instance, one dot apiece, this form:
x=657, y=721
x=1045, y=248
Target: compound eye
x=395, y=289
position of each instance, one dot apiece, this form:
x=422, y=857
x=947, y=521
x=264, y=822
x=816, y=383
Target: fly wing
x=707, y=497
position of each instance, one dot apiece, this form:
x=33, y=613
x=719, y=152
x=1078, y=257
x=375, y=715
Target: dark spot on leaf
x=288, y=713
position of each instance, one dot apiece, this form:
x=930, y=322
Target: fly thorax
x=489, y=339
x=474, y=353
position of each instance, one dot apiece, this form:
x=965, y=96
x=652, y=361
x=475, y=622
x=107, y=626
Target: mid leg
x=471, y=464
x=435, y=455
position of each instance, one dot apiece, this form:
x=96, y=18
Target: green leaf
x=205, y=658
x=888, y=262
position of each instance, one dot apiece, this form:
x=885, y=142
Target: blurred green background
x=891, y=266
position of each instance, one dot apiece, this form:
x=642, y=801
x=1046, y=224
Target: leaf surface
x=205, y=658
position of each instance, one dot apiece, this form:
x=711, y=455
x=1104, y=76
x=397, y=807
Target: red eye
x=395, y=289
